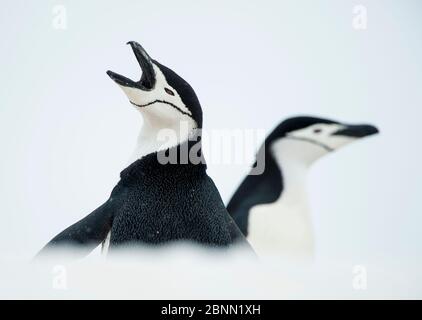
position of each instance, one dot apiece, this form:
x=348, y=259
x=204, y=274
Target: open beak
x=357, y=131
x=147, y=81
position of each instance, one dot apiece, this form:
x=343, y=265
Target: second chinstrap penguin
x=272, y=208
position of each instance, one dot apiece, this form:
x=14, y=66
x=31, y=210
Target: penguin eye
x=169, y=91
x=318, y=130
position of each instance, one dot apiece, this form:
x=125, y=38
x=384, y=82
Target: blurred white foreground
x=184, y=272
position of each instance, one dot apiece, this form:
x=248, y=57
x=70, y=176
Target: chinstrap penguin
x=157, y=202
x=271, y=209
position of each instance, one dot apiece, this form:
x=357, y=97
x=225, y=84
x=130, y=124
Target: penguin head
x=162, y=96
x=311, y=138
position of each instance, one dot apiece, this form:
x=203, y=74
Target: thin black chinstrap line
x=162, y=101
x=311, y=141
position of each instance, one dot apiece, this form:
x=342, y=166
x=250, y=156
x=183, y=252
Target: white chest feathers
x=281, y=228
x=284, y=227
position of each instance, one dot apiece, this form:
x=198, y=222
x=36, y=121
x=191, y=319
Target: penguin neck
x=294, y=170
x=172, y=162
x=158, y=134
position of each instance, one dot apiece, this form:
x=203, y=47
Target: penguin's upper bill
x=323, y=134
x=160, y=94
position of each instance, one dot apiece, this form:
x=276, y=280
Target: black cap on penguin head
x=295, y=123
x=185, y=91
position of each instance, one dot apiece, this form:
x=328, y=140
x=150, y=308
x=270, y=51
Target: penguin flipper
x=86, y=234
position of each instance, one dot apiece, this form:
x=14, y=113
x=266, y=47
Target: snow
x=185, y=272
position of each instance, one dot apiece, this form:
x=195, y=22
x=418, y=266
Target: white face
x=162, y=105
x=167, y=120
